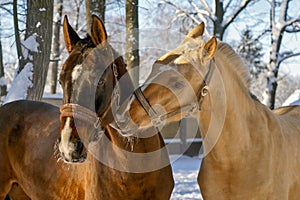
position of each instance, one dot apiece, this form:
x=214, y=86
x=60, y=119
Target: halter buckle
x=97, y=123
x=204, y=91
x=156, y=121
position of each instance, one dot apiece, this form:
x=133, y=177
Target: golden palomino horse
x=250, y=151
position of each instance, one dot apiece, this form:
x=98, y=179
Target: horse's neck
x=131, y=153
x=144, y=140
x=233, y=117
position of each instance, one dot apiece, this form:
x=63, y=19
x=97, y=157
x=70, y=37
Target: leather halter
x=190, y=108
x=85, y=114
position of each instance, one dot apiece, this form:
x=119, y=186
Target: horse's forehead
x=184, y=50
x=73, y=59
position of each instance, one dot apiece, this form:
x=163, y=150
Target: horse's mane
x=233, y=60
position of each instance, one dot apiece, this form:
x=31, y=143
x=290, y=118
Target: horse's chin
x=74, y=156
x=74, y=160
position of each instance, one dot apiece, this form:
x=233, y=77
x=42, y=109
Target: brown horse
x=28, y=134
x=134, y=167
x=29, y=131
x=250, y=152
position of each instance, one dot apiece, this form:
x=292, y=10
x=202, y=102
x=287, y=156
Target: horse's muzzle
x=72, y=153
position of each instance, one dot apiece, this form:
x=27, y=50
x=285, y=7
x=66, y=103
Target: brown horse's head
x=88, y=77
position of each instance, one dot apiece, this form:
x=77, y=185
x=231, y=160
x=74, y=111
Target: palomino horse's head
x=178, y=82
x=88, y=77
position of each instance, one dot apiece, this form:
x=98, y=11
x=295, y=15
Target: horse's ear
x=197, y=31
x=210, y=48
x=98, y=31
x=71, y=37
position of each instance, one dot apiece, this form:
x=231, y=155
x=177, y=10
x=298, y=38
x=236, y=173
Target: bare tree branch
x=262, y=34
x=292, y=30
x=292, y=21
x=227, y=6
x=242, y=6
x=287, y=57
x=5, y=4
x=7, y=10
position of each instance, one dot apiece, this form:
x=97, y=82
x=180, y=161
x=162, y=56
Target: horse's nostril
x=79, y=146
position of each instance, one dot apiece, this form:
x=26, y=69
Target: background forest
x=266, y=33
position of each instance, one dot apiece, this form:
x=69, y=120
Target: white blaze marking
x=76, y=72
x=65, y=145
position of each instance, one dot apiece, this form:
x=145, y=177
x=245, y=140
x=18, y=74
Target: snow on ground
x=185, y=172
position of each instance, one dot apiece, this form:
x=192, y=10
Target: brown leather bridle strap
x=139, y=95
x=84, y=114
x=79, y=112
x=189, y=108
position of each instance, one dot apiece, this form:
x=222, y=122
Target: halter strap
x=85, y=114
x=79, y=112
x=144, y=102
x=190, y=108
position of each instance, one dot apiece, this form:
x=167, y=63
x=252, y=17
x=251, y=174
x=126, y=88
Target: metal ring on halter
x=204, y=91
x=156, y=121
x=97, y=123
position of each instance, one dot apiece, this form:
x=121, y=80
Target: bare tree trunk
x=218, y=22
x=56, y=47
x=96, y=7
x=132, y=40
x=78, y=4
x=277, y=31
x=17, y=37
x=39, y=25
x=2, y=77
x=272, y=68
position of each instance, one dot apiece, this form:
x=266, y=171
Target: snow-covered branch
x=205, y=5
x=182, y=10
x=292, y=21
x=292, y=30
x=200, y=12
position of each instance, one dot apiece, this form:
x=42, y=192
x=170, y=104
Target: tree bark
x=218, y=23
x=2, y=85
x=17, y=37
x=56, y=47
x=39, y=24
x=94, y=7
x=132, y=40
x=277, y=32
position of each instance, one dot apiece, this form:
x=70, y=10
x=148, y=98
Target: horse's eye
x=178, y=85
x=59, y=81
x=100, y=83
